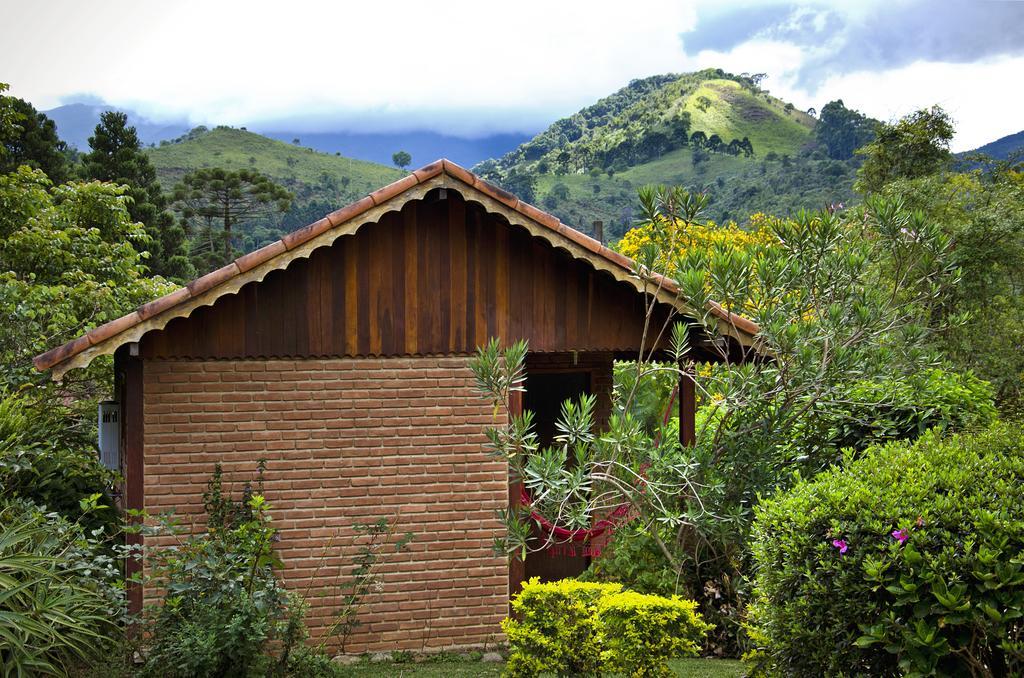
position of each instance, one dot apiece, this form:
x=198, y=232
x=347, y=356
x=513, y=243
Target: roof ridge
x=303, y=235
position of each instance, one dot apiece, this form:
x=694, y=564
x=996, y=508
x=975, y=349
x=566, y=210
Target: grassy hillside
x=321, y=182
x=588, y=166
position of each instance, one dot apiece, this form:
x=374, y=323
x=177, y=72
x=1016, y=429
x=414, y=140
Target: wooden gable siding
x=439, y=277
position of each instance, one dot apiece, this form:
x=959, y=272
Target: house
x=340, y=354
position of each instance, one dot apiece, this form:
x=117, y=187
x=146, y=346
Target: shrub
x=907, y=560
x=640, y=633
x=59, y=604
x=571, y=627
x=41, y=463
x=557, y=628
x=224, y=613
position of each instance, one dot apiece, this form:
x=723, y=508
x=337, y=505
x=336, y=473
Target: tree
x=699, y=139
x=842, y=130
x=67, y=263
x=225, y=198
x=522, y=184
x=30, y=138
x=401, y=159
x=715, y=144
x=916, y=146
x=117, y=157
x=831, y=315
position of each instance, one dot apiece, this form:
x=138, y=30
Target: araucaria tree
x=117, y=157
x=832, y=318
x=222, y=198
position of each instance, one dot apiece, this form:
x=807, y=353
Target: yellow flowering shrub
x=677, y=237
x=571, y=627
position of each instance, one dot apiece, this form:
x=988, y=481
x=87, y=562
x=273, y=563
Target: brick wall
x=348, y=441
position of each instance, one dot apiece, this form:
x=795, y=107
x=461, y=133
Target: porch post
x=516, y=566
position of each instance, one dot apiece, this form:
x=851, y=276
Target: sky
x=472, y=68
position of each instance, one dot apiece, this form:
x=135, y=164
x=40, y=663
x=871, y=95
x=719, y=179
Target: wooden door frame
x=517, y=566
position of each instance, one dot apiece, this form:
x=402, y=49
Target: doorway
x=545, y=393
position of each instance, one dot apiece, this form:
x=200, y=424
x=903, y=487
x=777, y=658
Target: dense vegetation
x=905, y=560
x=892, y=320
x=710, y=131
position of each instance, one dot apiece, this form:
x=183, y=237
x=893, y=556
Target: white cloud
x=236, y=62
x=463, y=67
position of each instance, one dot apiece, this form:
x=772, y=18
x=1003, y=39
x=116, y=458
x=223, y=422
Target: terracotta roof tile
x=382, y=195
x=61, y=353
x=463, y=175
x=528, y=210
x=305, y=234
x=251, y=260
x=211, y=280
x=499, y=194
x=107, y=330
x=338, y=217
x=429, y=171
x=148, y=310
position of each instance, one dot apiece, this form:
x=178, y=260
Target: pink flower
x=901, y=535
x=840, y=544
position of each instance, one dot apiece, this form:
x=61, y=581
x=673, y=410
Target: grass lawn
x=685, y=668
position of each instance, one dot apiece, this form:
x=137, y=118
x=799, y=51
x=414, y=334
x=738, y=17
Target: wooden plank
x=442, y=250
x=457, y=217
x=398, y=285
x=409, y=215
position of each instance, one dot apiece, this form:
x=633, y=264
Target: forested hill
x=709, y=130
x=1003, y=148
x=321, y=182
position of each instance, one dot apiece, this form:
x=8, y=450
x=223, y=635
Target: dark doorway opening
x=545, y=393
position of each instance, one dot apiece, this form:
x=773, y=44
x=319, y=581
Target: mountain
x=1001, y=149
x=753, y=152
x=76, y=123
x=321, y=182
x=423, y=146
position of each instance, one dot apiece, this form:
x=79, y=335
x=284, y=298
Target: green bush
x=41, y=463
x=59, y=601
x=225, y=613
x=557, y=628
x=907, y=560
x=640, y=633
x=579, y=628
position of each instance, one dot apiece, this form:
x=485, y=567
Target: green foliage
x=931, y=581
x=983, y=213
x=578, y=628
x=915, y=146
x=60, y=603
x=117, y=157
x=555, y=628
x=224, y=612
x=894, y=407
x=41, y=462
x=68, y=262
x=401, y=159
x=29, y=138
x=640, y=633
x=217, y=197
x=320, y=182
x=842, y=130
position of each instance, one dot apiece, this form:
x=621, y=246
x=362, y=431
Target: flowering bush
x=579, y=628
x=907, y=560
